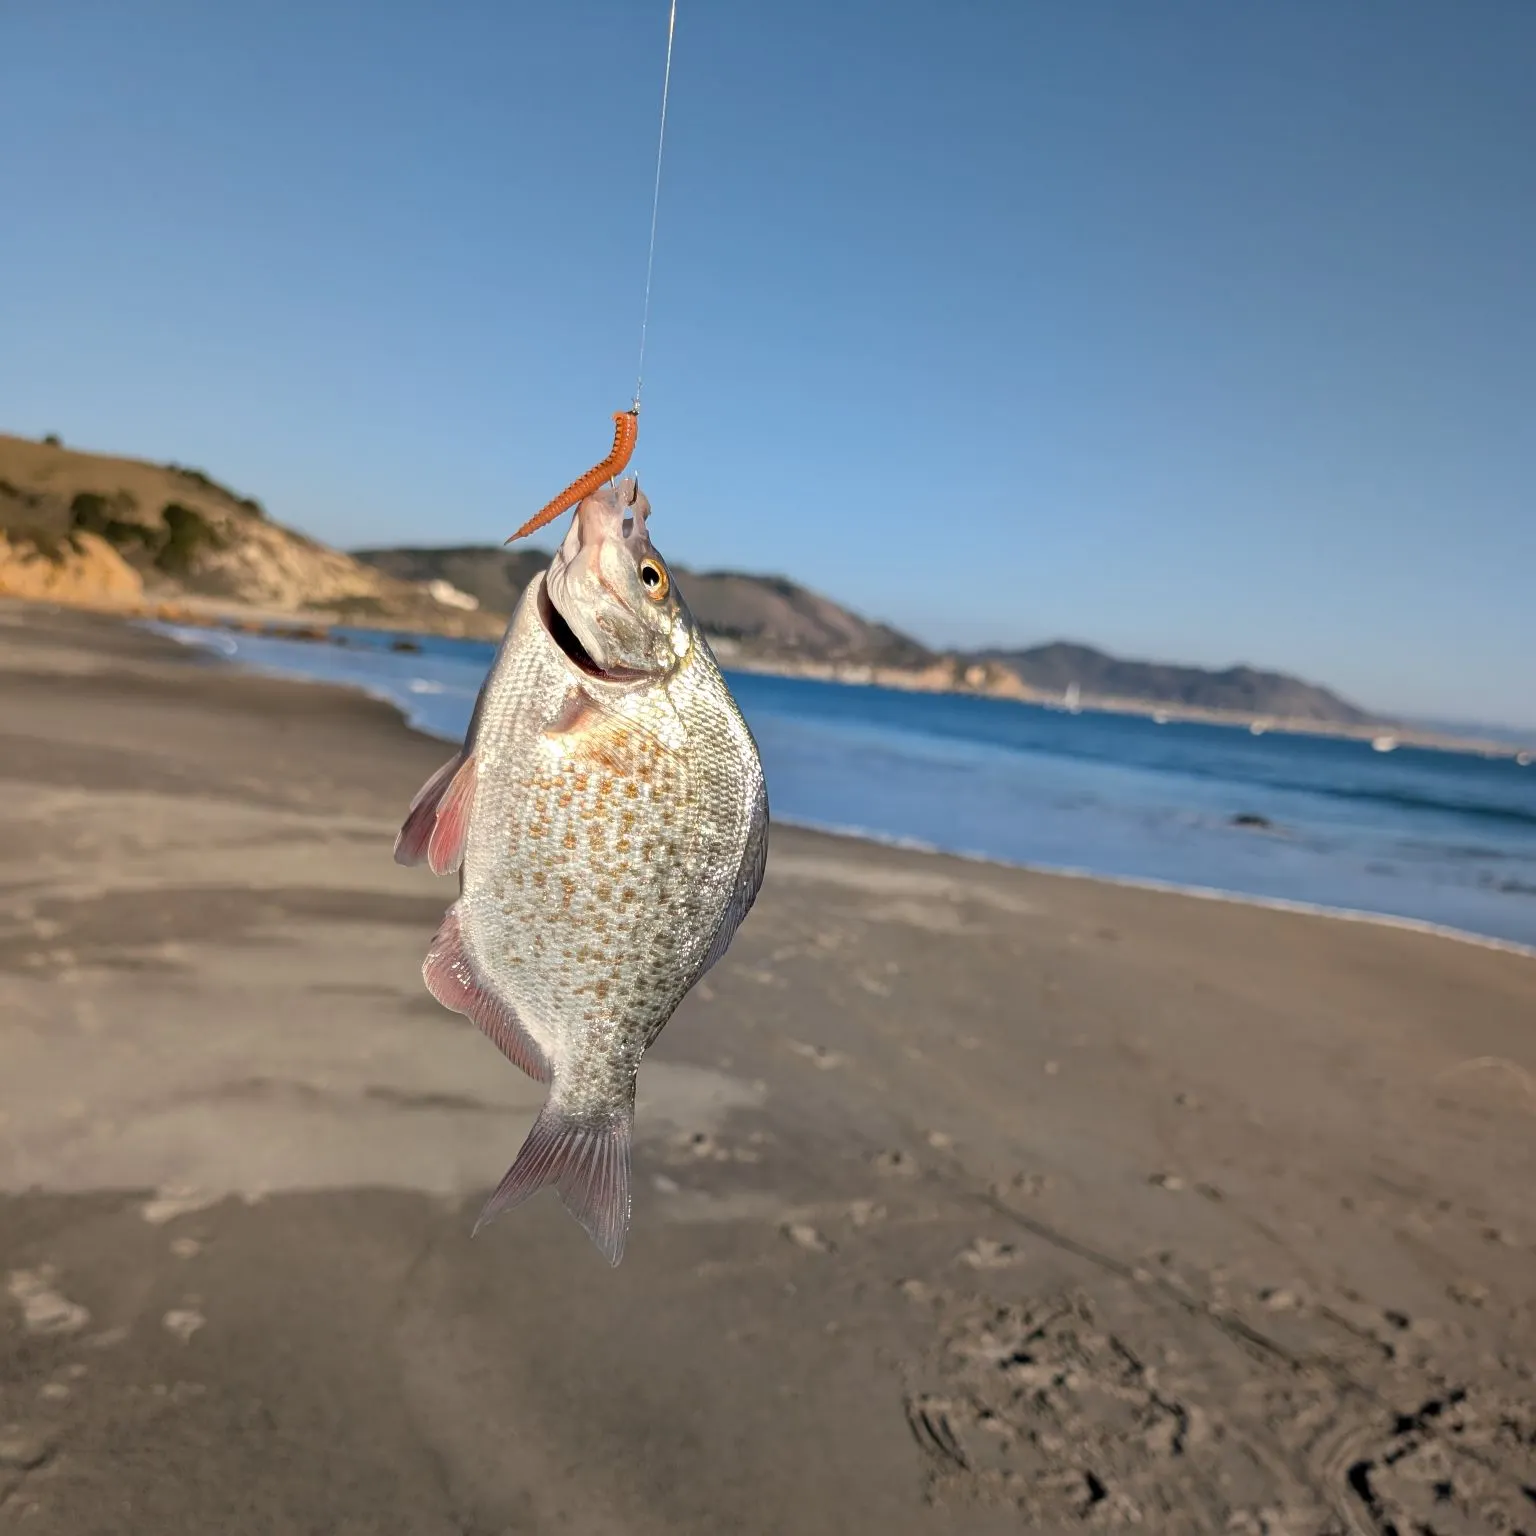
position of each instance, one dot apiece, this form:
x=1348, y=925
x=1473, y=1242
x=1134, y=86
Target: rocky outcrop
x=78, y=569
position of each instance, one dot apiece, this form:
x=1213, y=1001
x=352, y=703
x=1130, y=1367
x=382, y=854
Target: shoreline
x=1173, y=888
x=315, y=626
x=914, y=845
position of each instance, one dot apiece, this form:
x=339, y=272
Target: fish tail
x=587, y=1160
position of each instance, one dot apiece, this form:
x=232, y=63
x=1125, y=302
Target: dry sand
x=968, y=1199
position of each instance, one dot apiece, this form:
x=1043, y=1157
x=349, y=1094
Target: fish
x=608, y=820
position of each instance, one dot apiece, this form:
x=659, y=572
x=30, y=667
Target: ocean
x=1438, y=838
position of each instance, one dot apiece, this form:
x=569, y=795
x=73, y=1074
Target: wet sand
x=967, y=1199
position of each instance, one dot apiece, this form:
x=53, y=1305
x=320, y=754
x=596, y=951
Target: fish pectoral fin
x=588, y=1163
x=438, y=821
x=411, y=840
x=445, y=847
x=577, y=710
x=451, y=978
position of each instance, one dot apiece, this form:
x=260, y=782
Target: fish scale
x=608, y=820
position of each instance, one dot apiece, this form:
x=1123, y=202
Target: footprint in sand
x=1023, y=1184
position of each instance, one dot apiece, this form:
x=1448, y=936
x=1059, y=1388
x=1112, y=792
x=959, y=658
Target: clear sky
x=1201, y=331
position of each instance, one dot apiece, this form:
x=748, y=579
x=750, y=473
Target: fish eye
x=654, y=574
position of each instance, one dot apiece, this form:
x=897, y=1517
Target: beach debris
x=1467, y=1291
x=803, y=1235
x=608, y=822
x=175, y=1200
x=985, y=1253
x=818, y=1055
x=182, y=1323
x=43, y=1309
x=23, y=1449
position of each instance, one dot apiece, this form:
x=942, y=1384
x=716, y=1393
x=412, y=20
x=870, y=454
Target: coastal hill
x=89, y=528
x=760, y=618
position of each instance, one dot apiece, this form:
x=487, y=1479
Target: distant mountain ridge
x=1054, y=668
x=770, y=619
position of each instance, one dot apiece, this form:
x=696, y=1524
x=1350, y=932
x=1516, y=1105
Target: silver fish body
x=609, y=822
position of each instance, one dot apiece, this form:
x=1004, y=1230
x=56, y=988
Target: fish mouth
x=569, y=646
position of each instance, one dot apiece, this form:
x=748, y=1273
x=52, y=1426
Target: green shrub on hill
x=187, y=532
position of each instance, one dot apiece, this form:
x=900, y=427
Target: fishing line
x=650, y=260
x=626, y=424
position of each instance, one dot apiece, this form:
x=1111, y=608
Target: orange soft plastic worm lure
x=626, y=429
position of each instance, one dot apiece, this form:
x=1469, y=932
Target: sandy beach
x=968, y=1199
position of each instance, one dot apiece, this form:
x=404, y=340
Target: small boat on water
x=1524, y=759
x=1070, y=699
x=1384, y=744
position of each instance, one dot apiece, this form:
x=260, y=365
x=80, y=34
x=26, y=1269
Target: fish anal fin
x=451, y=978
x=450, y=828
x=421, y=818
x=588, y=1163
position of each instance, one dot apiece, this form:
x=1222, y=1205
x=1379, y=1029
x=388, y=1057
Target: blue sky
x=1194, y=330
